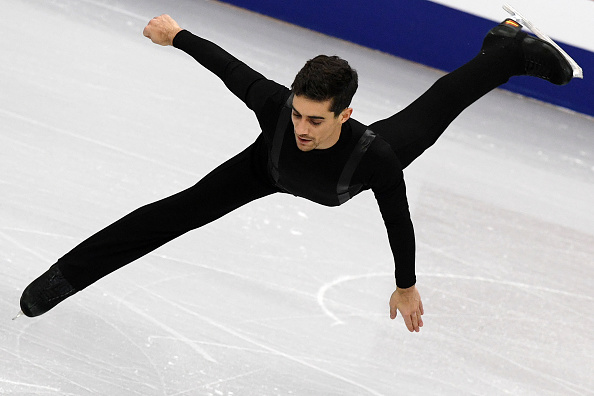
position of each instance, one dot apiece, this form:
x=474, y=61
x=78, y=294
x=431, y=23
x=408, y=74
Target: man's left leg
x=506, y=52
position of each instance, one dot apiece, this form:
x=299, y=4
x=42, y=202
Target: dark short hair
x=327, y=77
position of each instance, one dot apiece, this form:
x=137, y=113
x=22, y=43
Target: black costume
x=313, y=175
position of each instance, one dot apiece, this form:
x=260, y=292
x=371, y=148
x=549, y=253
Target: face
x=316, y=127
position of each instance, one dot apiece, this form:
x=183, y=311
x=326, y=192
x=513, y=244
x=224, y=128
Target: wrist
x=405, y=289
x=173, y=34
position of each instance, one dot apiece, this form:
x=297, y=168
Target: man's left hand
x=408, y=302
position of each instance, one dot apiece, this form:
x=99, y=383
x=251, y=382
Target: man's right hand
x=161, y=30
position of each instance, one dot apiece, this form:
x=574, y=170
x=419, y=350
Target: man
x=310, y=147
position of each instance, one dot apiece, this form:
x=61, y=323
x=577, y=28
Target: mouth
x=303, y=140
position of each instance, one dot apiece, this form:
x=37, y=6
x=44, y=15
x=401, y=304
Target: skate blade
x=19, y=314
x=519, y=18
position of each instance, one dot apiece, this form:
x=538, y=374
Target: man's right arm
x=247, y=84
x=161, y=30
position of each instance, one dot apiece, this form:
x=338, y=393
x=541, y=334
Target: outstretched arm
x=247, y=84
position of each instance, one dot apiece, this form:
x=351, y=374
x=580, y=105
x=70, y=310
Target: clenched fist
x=161, y=30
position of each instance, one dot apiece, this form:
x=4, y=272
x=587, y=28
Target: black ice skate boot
x=535, y=57
x=45, y=292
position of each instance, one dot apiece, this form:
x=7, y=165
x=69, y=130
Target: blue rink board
x=424, y=32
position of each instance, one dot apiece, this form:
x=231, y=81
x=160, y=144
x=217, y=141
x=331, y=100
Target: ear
x=345, y=115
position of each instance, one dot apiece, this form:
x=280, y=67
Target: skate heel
x=508, y=35
x=508, y=28
x=512, y=24
x=576, y=70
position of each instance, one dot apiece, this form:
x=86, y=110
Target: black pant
x=238, y=181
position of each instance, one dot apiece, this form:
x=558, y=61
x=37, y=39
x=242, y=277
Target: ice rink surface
x=282, y=297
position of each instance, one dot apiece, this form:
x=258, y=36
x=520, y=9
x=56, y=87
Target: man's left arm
x=387, y=182
x=406, y=297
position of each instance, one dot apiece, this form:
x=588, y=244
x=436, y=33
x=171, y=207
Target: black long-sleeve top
x=314, y=174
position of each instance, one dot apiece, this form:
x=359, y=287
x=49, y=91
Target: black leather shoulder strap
x=344, y=182
x=277, y=139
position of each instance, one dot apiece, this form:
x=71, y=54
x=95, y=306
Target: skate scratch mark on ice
x=217, y=382
x=42, y=367
x=24, y=384
x=509, y=283
x=29, y=147
x=236, y=274
x=97, y=142
x=23, y=247
x=132, y=341
x=230, y=273
x=277, y=352
x=476, y=346
x=171, y=331
x=37, y=232
x=72, y=354
x=214, y=344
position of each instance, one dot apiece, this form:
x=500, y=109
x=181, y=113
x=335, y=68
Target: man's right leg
x=231, y=185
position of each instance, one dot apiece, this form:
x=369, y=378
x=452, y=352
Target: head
x=327, y=78
x=323, y=90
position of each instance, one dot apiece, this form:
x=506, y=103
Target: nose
x=300, y=127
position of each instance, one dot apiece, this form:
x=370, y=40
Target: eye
x=296, y=115
x=315, y=122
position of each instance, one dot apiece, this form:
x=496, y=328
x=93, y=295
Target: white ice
x=282, y=297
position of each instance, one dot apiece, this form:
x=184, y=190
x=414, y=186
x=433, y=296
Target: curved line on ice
x=321, y=294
